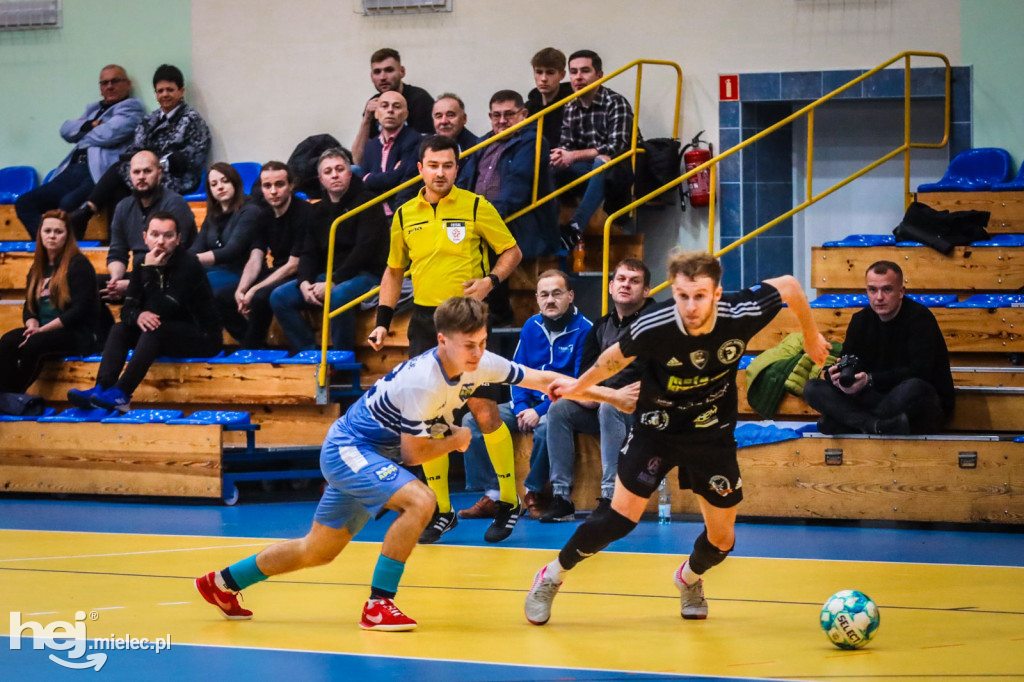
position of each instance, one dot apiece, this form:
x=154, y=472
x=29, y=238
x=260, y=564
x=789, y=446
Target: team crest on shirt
x=466, y=391
x=720, y=484
x=388, y=472
x=456, y=230
x=730, y=351
x=699, y=358
x=656, y=419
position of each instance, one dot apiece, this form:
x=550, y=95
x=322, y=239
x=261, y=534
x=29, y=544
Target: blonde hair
x=694, y=264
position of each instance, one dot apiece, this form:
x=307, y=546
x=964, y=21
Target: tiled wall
x=756, y=185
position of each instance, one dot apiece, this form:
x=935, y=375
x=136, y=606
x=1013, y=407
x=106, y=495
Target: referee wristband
x=495, y=281
x=384, y=315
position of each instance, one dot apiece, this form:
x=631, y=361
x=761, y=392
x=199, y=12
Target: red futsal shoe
x=225, y=601
x=382, y=614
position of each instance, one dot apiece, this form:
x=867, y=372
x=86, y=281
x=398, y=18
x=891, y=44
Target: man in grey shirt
x=130, y=219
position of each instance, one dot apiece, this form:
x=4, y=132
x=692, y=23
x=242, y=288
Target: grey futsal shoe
x=438, y=526
x=505, y=519
x=692, y=604
x=540, y=596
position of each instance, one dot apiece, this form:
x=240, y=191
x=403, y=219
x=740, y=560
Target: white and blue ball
x=850, y=619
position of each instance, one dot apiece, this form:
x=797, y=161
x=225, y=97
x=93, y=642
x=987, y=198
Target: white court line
x=148, y=551
x=107, y=608
x=41, y=613
x=173, y=603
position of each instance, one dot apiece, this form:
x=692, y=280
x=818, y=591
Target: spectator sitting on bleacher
x=387, y=72
x=61, y=311
x=595, y=127
x=390, y=158
x=128, y=226
x=552, y=340
x=281, y=233
x=229, y=229
x=360, y=256
x=629, y=288
x=168, y=310
x=99, y=136
x=901, y=382
x=176, y=133
x=548, y=71
x=450, y=120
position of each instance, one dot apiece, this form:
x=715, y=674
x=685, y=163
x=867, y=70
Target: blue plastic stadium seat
x=745, y=361
x=17, y=247
x=1015, y=185
x=77, y=415
x=174, y=360
x=249, y=357
x=973, y=170
x=933, y=300
x=1002, y=240
x=250, y=172
x=89, y=244
x=15, y=181
x=312, y=357
x=1019, y=439
x=863, y=240
x=143, y=417
x=840, y=301
x=47, y=412
x=222, y=417
x=200, y=193
x=757, y=434
x=991, y=301
x=302, y=195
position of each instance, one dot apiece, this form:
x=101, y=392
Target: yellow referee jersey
x=447, y=244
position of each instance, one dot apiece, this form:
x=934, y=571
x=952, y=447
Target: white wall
x=267, y=73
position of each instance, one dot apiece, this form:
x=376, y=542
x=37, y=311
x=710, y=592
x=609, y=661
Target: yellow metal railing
x=535, y=201
x=811, y=198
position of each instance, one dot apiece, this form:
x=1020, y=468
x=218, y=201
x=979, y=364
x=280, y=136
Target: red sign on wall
x=728, y=88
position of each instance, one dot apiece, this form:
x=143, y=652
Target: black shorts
x=708, y=469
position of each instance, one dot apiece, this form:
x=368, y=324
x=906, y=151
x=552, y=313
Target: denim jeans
x=66, y=191
x=222, y=278
x=479, y=470
x=593, y=196
x=287, y=303
x=568, y=416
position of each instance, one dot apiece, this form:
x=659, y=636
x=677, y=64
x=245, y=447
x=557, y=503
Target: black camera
x=847, y=366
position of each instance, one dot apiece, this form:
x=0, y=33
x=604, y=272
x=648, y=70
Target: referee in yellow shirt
x=443, y=234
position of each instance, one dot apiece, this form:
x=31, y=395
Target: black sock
x=593, y=535
x=377, y=593
x=230, y=581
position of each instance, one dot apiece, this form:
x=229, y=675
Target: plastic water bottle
x=664, y=503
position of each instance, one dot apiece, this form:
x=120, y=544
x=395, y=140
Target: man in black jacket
x=629, y=289
x=168, y=310
x=901, y=382
x=360, y=257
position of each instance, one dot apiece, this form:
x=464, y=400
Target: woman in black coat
x=62, y=308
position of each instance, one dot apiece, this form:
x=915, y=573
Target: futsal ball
x=850, y=619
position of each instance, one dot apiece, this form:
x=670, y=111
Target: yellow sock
x=437, y=478
x=499, y=449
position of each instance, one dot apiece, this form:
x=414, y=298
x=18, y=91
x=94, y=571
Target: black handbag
x=22, y=404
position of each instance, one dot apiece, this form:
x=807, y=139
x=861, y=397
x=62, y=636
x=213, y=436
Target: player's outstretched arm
x=608, y=364
x=420, y=449
x=622, y=399
x=793, y=295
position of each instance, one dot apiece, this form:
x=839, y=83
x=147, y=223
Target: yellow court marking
x=616, y=611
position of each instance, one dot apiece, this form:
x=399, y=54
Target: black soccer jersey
x=689, y=384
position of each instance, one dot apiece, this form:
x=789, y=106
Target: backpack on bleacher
x=22, y=404
x=303, y=163
x=942, y=230
x=660, y=163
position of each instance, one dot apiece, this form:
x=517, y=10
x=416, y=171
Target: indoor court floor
x=951, y=601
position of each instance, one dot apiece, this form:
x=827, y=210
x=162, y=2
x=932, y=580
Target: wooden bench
x=1007, y=208
x=11, y=229
x=14, y=268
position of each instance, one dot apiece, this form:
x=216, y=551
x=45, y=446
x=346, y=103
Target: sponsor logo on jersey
x=657, y=419
x=720, y=484
x=676, y=384
x=456, y=230
x=699, y=358
x=730, y=351
x=466, y=391
x=388, y=472
x=650, y=475
x=706, y=418
x=673, y=362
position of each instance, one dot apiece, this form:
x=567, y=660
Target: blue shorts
x=359, y=483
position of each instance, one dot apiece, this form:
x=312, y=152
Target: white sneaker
x=539, y=598
x=692, y=604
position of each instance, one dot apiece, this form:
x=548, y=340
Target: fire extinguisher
x=700, y=183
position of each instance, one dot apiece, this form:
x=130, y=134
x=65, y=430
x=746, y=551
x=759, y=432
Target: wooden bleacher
x=11, y=229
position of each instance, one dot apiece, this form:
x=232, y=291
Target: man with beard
x=131, y=217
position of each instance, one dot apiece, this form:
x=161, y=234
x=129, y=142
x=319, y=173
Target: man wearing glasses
x=503, y=174
x=552, y=341
x=99, y=135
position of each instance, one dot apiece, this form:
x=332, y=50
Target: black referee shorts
x=709, y=469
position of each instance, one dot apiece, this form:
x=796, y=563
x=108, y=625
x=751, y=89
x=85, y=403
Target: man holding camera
x=894, y=376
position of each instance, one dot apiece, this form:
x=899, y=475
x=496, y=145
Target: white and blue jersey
x=359, y=457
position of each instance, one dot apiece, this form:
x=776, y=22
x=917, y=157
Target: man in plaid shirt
x=595, y=128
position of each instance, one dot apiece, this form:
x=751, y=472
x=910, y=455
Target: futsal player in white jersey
x=406, y=418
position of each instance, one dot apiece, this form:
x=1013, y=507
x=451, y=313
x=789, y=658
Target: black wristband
x=495, y=280
x=384, y=315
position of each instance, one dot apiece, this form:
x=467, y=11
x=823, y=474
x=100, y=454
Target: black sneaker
x=893, y=426
x=571, y=235
x=560, y=510
x=504, y=521
x=438, y=526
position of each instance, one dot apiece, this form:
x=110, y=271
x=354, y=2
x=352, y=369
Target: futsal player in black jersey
x=685, y=416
